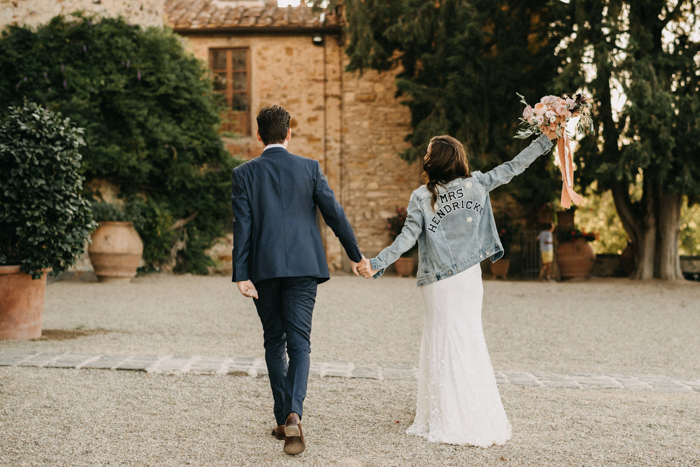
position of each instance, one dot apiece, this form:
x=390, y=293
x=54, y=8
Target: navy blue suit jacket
x=274, y=199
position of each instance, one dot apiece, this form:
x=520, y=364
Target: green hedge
x=150, y=120
x=44, y=221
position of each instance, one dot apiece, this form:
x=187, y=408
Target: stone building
x=261, y=54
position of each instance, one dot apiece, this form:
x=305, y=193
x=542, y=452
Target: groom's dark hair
x=273, y=123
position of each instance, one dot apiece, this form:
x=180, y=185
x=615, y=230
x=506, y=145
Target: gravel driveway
x=51, y=417
x=56, y=417
x=602, y=326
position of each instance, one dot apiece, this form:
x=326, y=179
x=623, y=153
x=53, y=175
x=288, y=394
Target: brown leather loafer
x=294, y=438
x=278, y=432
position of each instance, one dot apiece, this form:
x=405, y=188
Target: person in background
x=547, y=251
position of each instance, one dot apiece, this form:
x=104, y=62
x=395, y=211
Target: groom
x=278, y=259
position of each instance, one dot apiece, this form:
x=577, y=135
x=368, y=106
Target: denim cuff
x=545, y=142
x=376, y=266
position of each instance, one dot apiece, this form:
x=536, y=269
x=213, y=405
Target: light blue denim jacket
x=461, y=231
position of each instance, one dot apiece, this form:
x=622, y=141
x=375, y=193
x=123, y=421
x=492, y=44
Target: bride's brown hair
x=446, y=161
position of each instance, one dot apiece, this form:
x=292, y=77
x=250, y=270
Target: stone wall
x=351, y=124
x=36, y=12
x=376, y=179
x=305, y=79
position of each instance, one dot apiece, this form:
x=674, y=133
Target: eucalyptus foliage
x=149, y=115
x=44, y=220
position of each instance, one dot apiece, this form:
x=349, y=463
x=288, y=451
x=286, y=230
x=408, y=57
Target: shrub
x=44, y=220
x=109, y=212
x=149, y=115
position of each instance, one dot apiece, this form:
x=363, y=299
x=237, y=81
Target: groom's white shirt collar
x=276, y=145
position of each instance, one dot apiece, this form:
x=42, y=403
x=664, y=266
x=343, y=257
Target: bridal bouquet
x=552, y=113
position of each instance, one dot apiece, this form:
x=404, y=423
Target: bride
x=451, y=219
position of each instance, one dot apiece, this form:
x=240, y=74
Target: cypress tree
x=639, y=59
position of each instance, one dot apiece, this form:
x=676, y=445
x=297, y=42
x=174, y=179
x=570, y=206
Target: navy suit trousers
x=285, y=306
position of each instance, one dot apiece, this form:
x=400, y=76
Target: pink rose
x=550, y=114
x=527, y=112
x=539, y=119
x=570, y=102
x=540, y=109
x=532, y=120
x=549, y=100
x=561, y=110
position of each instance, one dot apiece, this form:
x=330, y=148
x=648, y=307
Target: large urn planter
x=575, y=259
x=404, y=267
x=21, y=303
x=500, y=268
x=116, y=251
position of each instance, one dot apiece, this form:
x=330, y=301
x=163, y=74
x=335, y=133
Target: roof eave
x=268, y=30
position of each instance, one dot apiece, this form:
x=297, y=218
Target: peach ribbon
x=566, y=164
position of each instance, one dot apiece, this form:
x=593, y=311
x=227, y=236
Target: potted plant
x=117, y=248
x=44, y=220
x=506, y=233
x=574, y=255
x=404, y=265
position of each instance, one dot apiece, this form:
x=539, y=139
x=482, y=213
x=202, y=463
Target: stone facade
x=36, y=12
x=377, y=180
x=353, y=125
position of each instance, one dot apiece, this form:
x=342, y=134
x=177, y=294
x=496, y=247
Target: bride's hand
x=365, y=268
x=552, y=135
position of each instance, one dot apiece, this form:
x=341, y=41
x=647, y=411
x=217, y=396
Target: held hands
x=365, y=268
x=247, y=289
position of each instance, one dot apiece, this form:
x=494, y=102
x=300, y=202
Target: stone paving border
x=181, y=364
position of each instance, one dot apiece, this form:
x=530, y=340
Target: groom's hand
x=247, y=289
x=353, y=265
x=366, y=269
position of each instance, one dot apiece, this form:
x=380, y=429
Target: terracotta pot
x=575, y=259
x=21, y=304
x=500, y=268
x=404, y=267
x=115, y=251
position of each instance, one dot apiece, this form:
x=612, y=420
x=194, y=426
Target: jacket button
x=450, y=273
x=469, y=184
x=481, y=256
x=469, y=219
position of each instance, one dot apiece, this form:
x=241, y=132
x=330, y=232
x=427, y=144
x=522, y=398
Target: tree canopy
x=639, y=60
x=462, y=63
x=149, y=116
x=461, y=66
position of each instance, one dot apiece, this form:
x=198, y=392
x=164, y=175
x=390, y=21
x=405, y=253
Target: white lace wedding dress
x=458, y=401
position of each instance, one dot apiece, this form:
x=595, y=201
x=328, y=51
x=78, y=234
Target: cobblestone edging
x=256, y=367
